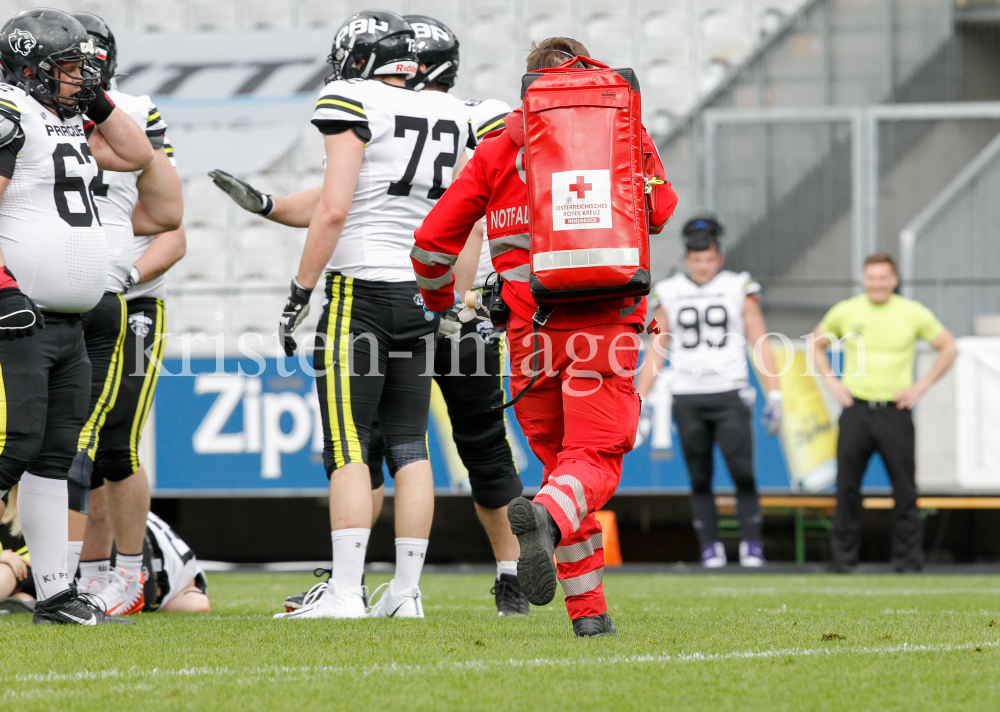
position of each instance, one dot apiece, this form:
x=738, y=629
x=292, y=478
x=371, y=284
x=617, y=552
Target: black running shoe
x=16, y=605
x=510, y=600
x=594, y=626
x=72, y=608
x=538, y=535
x=298, y=600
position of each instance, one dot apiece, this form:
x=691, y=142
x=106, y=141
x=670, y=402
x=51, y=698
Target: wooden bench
x=812, y=513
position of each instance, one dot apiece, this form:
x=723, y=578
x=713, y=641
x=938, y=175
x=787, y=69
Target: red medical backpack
x=586, y=188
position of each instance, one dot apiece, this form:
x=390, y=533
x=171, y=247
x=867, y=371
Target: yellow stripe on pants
x=152, y=374
x=91, y=432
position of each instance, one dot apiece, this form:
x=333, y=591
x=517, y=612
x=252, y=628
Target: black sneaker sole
x=536, y=570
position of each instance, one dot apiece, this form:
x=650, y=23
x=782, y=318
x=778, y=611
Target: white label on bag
x=581, y=200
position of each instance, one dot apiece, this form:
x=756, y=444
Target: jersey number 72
x=444, y=160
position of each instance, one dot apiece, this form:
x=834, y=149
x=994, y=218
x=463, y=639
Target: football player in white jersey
x=176, y=583
x=390, y=154
x=51, y=235
x=157, y=189
x=709, y=315
x=479, y=431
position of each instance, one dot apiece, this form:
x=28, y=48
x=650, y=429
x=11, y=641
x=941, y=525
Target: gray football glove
x=242, y=193
x=296, y=310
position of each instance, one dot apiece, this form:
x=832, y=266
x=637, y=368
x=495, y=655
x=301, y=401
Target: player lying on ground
x=708, y=315
x=175, y=582
x=479, y=431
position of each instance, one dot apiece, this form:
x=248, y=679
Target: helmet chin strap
x=438, y=71
x=368, y=65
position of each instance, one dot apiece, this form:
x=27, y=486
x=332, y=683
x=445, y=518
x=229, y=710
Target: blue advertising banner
x=253, y=428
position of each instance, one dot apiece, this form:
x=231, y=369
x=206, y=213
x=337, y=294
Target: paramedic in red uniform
x=580, y=416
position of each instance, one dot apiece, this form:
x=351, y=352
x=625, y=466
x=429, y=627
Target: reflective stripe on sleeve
x=433, y=283
x=432, y=258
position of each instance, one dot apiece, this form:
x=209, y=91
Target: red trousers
x=580, y=419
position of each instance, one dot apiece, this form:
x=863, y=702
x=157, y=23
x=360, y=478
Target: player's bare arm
x=656, y=355
x=838, y=390
x=160, y=195
x=468, y=259
x=344, y=154
x=947, y=350
x=118, y=144
x=756, y=329
x=167, y=249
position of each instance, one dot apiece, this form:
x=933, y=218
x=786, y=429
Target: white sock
x=130, y=562
x=349, y=547
x=410, y=555
x=98, y=570
x=43, y=505
x=73, y=557
x=506, y=567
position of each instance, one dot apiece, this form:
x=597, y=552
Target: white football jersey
x=708, y=346
x=485, y=116
x=174, y=563
x=116, y=193
x=154, y=287
x=416, y=140
x=50, y=233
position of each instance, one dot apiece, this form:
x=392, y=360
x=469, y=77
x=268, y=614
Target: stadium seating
x=681, y=50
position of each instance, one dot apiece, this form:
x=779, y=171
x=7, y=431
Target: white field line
x=491, y=665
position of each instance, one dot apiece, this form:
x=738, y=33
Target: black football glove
x=19, y=316
x=242, y=193
x=100, y=107
x=296, y=310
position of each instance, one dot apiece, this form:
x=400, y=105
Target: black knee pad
x=495, y=488
x=402, y=454
x=78, y=482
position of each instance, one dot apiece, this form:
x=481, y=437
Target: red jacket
x=491, y=185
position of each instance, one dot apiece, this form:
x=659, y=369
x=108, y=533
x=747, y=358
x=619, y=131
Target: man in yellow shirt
x=878, y=331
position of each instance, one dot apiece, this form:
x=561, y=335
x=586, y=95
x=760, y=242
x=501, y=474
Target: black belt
x=876, y=404
x=62, y=316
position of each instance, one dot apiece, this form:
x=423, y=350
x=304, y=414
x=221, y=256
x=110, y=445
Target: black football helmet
x=437, y=50
x=39, y=40
x=374, y=43
x=105, y=47
x=701, y=232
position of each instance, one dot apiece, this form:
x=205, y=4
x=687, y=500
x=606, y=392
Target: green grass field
x=759, y=642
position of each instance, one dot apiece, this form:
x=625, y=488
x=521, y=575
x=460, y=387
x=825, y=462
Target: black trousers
x=470, y=373
x=46, y=389
x=704, y=419
x=867, y=428
x=141, y=354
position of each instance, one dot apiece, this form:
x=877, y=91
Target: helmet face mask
x=373, y=43
x=105, y=46
x=437, y=51
x=36, y=45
